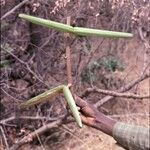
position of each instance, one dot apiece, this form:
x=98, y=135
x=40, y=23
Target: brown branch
x=28, y=138
x=123, y=89
x=68, y=65
x=68, y=54
x=4, y=121
x=5, y=138
x=14, y=9
x=113, y=93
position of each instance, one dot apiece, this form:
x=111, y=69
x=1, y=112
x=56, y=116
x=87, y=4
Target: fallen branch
x=5, y=121
x=30, y=137
x=113, y=93
x=14, y=9
x=123, y=89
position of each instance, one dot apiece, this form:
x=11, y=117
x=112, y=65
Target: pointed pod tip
x=24, y=16
x=80, y=124
x=21, y=15
x=130, y=34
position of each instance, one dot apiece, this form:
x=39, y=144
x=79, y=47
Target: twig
x=123, y=89
x=68, y=65
x=14, y=9
x=5, y=139
x=7, y=120
x=89, y=57
x=4, y=121
x=68, y=55
x=33, y=135
x=43, y=148
x=16, y=100
x=146, y=49
x=113, y=93
x=27, y=66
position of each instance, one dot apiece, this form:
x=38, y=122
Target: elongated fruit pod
x=101, y=33
x=47, y=95
x=72, y=105
x=75, y=30
x=51, y=93
x=47, y=23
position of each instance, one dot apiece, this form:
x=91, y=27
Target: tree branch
x=68, y=55
x=123, y=89
x=113, y=93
